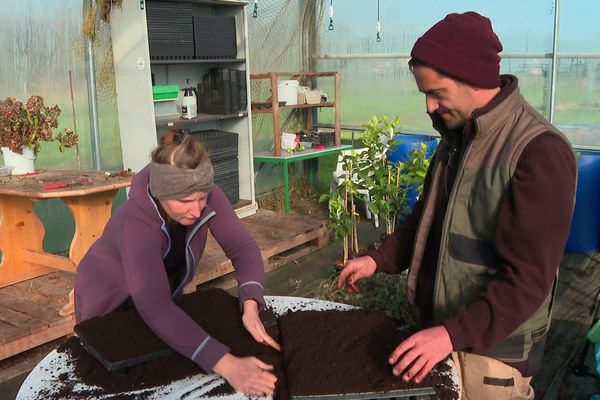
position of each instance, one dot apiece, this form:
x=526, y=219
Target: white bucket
x=288, y=92
x=21, y=163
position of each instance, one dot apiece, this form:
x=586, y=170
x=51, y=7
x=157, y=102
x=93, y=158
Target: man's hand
x=356, y=269
x=418, y=354
x=248, y=375
x=253, y=324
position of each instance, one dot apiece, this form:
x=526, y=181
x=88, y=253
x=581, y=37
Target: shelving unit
x=139, y=60
x=166, y=122
x=308, y=156
x=274, y=107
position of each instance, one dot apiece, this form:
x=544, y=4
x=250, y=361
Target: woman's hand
x=248, y=375
x=253, y=324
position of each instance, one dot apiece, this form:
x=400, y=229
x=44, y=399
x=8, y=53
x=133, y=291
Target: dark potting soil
x=340, y=352
x=359, y=340
x=215, y=310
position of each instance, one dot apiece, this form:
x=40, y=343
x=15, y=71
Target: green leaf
x=324, y=198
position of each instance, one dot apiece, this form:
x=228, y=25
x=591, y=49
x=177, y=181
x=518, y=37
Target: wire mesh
x=283, y=38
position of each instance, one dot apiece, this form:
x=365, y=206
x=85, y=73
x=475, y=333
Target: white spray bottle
x=189, y=106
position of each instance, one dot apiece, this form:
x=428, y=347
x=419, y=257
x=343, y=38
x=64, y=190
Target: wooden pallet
x=29, y=310
x=281, y=238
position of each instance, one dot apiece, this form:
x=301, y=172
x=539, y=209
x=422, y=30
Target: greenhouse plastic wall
x=41, y=45
x=376, y=80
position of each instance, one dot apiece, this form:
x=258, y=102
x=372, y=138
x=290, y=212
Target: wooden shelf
x=293, y=75
x=273, y=106
x=264, y=109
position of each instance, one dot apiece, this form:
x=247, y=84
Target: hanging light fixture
x=378, y=38
x=330, y=27
x=255, y=10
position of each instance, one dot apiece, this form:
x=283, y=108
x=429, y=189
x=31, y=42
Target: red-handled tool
x=51, y=186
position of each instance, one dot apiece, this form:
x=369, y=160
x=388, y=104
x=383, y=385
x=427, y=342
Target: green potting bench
x=285, y=159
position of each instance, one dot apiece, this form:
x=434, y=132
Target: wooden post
x=275, y=108
x=20, y=226
x=91, y=213
x=336, y=78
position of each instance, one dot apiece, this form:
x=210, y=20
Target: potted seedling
x=24, y=126
x=383, y=179
x=342, y=209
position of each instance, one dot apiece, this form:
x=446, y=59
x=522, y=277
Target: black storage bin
x=170, y=30
x=241, y=90
x=222, y=91
x=326, y=138
x=217, y=141
x=222, y=148
x=215, y=36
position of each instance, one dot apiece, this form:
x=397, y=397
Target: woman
x=150, y=248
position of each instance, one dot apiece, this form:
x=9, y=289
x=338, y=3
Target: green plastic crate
x=594, y=334
x=165, y=92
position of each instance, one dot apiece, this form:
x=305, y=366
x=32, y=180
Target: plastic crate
x=594, y=333
x=222, y=148
x=226, y=168
x=326, y=138
x=5, y=170
x=232, y=192
x=165, y=92
x=222, y=91
x=215, y=140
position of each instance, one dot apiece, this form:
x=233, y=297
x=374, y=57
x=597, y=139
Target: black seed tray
x=225, y=153
x=232, y=194
x=215, y=36
x=170, y=30
x=116, y=366
x=215, y=140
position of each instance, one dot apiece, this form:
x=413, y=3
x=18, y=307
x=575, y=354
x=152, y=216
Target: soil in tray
x=340, y=352
x=350, y=345
x=215, y=310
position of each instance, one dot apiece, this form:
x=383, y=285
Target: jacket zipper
x=190, y=260
x=188, y=252
x=446, y=222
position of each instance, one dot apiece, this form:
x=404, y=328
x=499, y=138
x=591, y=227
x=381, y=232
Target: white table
x=40, y=382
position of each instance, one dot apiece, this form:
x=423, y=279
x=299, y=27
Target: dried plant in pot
x=24, y=126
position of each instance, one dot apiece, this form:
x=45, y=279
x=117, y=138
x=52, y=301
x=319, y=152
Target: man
x=485, y=240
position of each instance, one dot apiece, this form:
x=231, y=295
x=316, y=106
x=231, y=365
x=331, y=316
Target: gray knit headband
x=169, y=182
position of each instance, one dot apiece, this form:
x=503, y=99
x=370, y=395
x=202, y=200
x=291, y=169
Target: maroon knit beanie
x=462, y=46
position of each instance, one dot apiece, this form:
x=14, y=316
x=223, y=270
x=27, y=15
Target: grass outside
x=576, y=111
x=577, y=103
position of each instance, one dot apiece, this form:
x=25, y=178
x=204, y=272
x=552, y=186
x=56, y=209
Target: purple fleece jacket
x=127, y=261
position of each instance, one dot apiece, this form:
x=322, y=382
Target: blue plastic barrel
x=406, y=143
x=400, y=153
x=584, y=236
